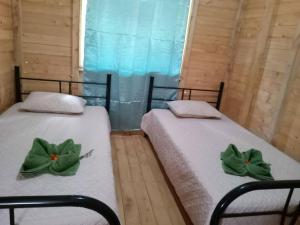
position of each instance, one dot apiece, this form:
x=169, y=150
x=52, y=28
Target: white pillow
x=50, y=102
x=193, y=109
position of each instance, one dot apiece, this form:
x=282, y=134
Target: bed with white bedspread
x=94, y=177
x=189, y=150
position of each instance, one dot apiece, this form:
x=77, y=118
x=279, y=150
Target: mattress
x=189, y=150
x=94, y=177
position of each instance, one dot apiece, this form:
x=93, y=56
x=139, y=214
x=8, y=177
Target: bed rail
x=291, y=185
x=15, y=202
x=183, y=90
x=19, y=92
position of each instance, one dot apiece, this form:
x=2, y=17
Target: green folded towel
x=249, y=163
x=62, y=159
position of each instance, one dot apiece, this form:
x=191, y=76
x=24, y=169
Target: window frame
x=82, y=17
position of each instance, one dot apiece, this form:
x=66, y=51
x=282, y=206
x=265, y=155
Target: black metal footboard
x=290, y=185
x=12, y=203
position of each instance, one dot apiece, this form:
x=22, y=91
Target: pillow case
x=193, y=109
x=50, y=102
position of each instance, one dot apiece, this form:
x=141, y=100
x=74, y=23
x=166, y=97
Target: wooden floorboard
x=143, y=194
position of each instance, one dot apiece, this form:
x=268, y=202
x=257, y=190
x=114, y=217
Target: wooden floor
x=143, y=194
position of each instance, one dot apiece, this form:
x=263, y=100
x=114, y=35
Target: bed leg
x=12, y=216
x=295, y=216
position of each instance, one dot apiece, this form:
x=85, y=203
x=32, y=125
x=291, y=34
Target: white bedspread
x=94, y=177
x=189, y=150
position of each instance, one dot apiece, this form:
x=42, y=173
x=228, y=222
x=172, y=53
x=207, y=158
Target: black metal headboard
x=19, y=91
x=152, y=87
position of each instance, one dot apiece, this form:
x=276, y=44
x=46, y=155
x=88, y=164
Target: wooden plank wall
x=209, y=44
x=49, y=40
x=263, y=85
x=6, y=55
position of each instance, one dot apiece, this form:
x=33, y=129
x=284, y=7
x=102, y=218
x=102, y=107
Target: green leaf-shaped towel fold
x=249, y=163
x=62, y=159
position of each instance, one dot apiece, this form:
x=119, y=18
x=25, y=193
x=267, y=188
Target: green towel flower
x=249, y=163
x=62, y=159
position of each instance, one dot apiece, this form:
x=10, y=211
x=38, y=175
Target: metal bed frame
x=291, y=185
x=20, y=93
x=152, y=87
x=14, y=202
x=220, y=210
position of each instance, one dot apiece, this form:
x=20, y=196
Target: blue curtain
x=132, y=40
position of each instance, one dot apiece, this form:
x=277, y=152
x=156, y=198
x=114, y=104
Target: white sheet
x=94, y=177
x=189, y=150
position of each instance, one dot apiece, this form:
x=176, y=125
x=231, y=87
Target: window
x=82, y=31
x=83, y=9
